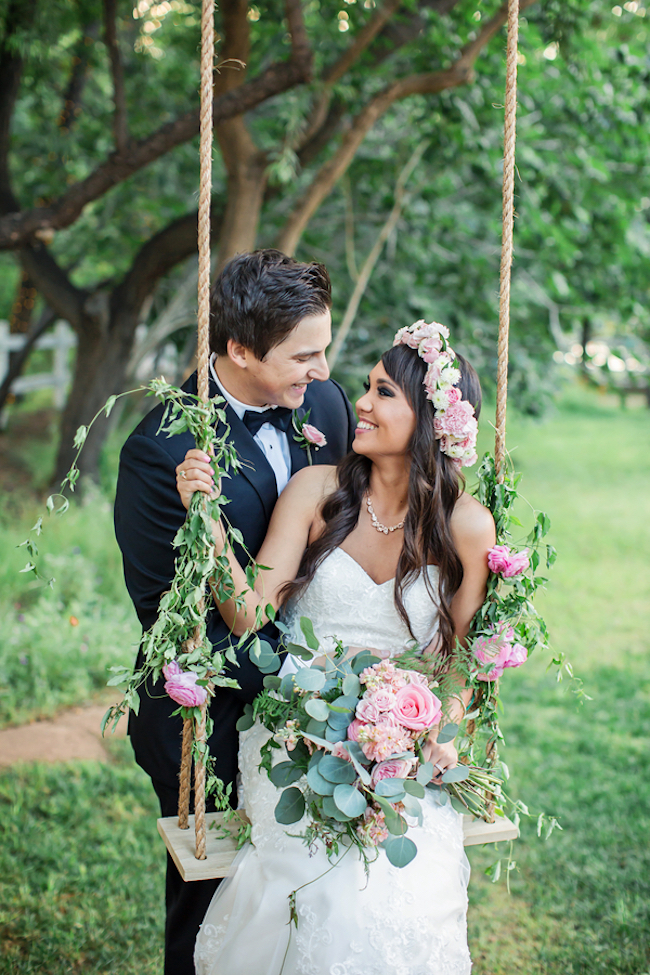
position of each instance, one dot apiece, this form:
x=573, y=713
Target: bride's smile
x=386, y=420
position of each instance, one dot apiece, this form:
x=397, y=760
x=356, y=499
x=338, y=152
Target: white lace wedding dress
x=401, y=921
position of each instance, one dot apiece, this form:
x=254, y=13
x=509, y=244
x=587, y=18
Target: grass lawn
x=81, y=879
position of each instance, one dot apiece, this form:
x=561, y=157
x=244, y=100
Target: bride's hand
x=443, y=757
x=195, y=474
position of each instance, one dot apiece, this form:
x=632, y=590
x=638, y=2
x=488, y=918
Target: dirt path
x=73, y=734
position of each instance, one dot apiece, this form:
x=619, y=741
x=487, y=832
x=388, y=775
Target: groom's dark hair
x=259, y=298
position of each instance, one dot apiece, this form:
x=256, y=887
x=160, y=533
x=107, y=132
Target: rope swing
x=203, y=354
x=203, y=351
x=509, y=143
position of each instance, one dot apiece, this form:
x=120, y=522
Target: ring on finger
x=439, y=767
x=183, y=475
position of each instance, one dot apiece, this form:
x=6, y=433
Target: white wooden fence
x=60, y=340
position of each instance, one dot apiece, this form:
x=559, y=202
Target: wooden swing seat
x=221, y=849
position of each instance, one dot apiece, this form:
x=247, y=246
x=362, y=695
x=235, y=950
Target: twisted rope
x=184, y=784
x=205, y=195
x=203, y=354
x=509, y=144
x=509, y=140
x=199, y=793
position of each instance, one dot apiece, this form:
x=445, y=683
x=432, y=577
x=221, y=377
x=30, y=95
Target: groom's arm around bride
x=270, y=326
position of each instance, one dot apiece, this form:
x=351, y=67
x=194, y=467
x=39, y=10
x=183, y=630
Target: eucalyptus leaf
x=245, y=722
x=332, y=810
x=447, y=733
x=424, y=773
x=458, y=774
x=290, y=807
x=310, y=679
x=351, y=685
x=362, y=660
x=335, y=735
x=272, y=683
x=339, y=721
x=317, y=709
x=307, y=628
x=318, y=784
x=316, y=727
x=400, y=850
x=392, y=789
x=336, y=769
x=414, y=788
x=350, y=801
x=412, y=808
x=297, y=650
x=285, y=773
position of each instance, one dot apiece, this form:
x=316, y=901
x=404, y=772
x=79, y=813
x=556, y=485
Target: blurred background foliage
x=580, y=291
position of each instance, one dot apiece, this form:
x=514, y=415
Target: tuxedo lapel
x=299, y=458
x=254, y=465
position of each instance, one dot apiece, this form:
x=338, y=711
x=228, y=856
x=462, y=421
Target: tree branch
x=20, y=358
x=16, y=228
x=53, y=283
x=120, y=123
x=300, y=46
x=162, y=252
x=393, y=34
x=77, y=80
x=459, y=73
x=11, y=69
x=336, y=70
x=373, y=255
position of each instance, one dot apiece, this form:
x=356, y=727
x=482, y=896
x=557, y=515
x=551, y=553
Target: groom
x=270, y=325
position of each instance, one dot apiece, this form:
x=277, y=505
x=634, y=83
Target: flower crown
x=454, y=422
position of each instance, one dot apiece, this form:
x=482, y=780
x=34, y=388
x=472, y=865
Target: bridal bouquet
x=353, y=731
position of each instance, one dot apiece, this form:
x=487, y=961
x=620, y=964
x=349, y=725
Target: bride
x=383, y=550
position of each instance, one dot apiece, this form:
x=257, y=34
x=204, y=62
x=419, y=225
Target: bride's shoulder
x=471, y=521
x=314, y=482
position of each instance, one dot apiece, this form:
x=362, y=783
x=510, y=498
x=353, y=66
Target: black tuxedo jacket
x=148, y=513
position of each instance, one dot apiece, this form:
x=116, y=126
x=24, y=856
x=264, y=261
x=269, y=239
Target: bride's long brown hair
x=435, y=482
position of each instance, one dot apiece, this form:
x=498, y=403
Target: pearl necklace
x=385, y=529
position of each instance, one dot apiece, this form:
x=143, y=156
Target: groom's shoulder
x=328, y=392
x=148, y=429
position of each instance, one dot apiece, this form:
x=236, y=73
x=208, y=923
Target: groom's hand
x=195, y=474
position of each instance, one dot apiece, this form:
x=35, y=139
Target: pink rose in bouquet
x=416, y=707
x=353, y=729
x=414, y=677
x=182, y=687
x=313, y=435
x=367, y=710
x=503, y=562
x=396, y=768
x=383, y=699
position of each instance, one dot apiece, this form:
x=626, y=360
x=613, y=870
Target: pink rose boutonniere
x=182, y=687
x=307, y=435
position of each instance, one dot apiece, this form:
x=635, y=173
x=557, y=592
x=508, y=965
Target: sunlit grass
x=579, y=903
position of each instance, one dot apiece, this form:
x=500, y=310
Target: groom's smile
x=282, y=376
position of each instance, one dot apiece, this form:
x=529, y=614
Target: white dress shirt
x=273, y=443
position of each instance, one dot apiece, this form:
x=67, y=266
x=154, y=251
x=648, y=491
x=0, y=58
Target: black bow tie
x=280, y=417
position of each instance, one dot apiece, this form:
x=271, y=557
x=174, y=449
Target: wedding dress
x=399, y=921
